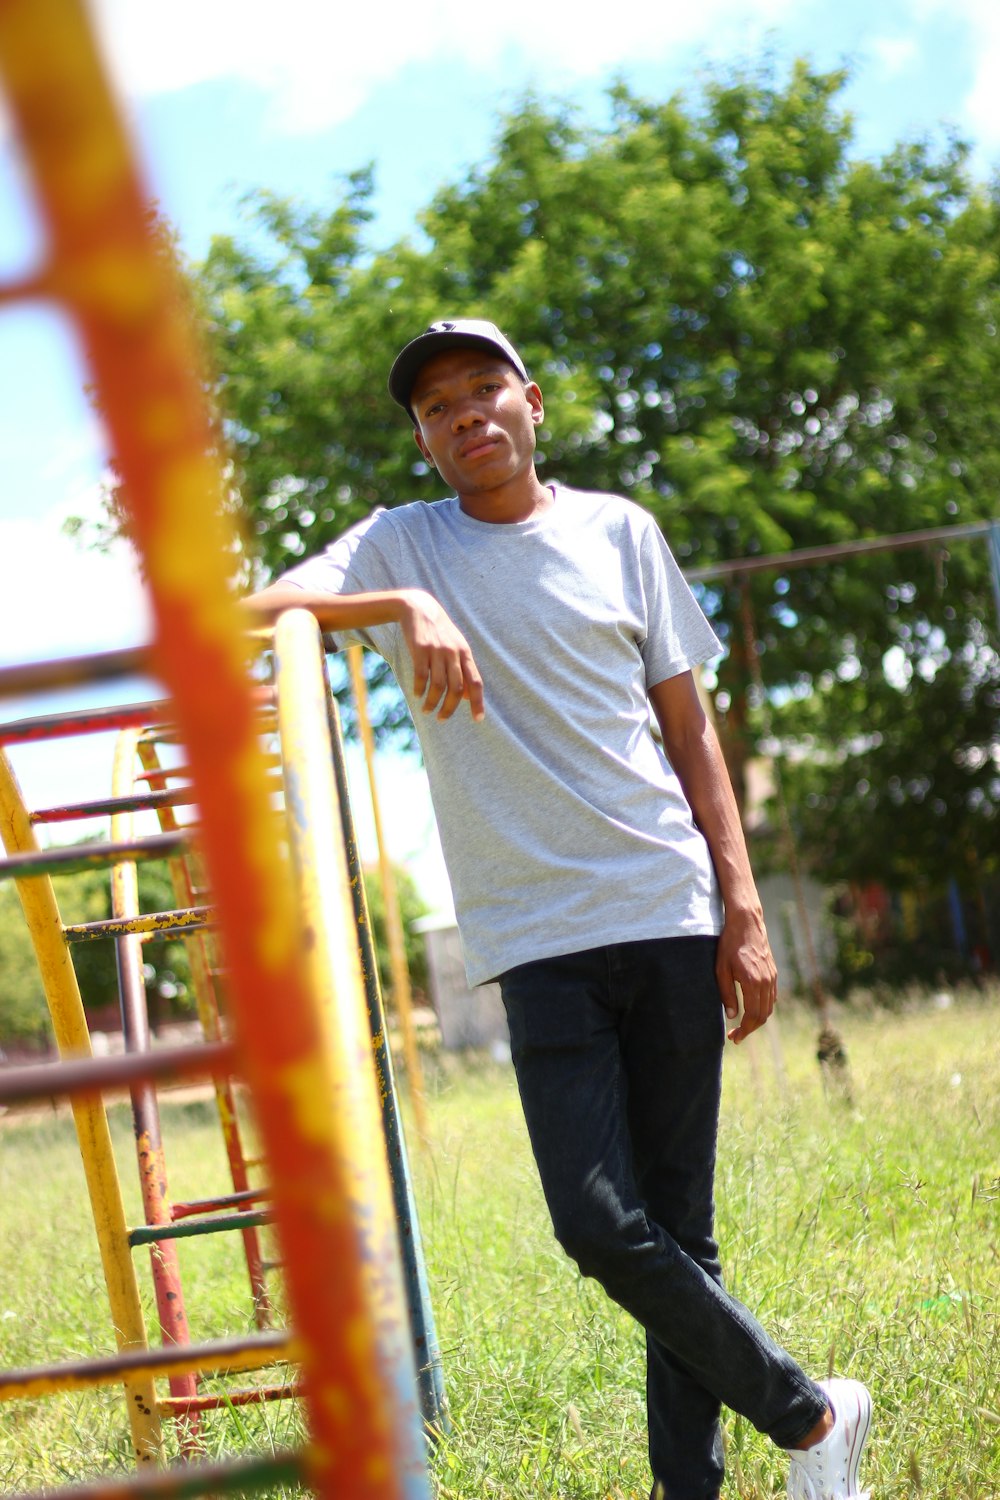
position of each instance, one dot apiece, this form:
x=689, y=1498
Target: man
x=603, y=882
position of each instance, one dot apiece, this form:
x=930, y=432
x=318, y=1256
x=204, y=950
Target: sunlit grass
x=865, y=1236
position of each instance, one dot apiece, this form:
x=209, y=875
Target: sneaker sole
x=864, y=1401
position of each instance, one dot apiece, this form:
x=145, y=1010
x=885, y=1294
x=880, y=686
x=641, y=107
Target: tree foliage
x=769, y=343
x=85, y=897
x=411, y=906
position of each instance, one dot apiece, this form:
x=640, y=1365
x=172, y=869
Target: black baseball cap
x=456, y=333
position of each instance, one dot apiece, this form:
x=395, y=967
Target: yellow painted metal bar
x=390, y=896
x=319, y=861
x=219, y=1358
x=69, y=1024
x=185, y=920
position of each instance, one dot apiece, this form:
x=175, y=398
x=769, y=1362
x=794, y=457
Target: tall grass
x=866, y=1236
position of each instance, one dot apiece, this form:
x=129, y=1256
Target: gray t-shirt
x=562, y=823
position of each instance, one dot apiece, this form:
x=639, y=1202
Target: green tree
x=411, y=906
x=83, y=897
x=769, y=343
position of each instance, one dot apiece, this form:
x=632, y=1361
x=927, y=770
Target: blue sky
x=226, y=97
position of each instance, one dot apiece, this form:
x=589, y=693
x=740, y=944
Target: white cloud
x=318, y=63
x=980, y=21
x=895, y=53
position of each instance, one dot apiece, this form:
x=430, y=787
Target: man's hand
x=744, y=958
x=444, y=671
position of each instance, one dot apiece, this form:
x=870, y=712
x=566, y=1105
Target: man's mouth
x=478, y=446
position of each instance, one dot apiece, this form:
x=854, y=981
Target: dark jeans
x=618, y=1054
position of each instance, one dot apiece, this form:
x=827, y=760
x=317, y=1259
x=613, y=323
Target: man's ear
x=534, y=398
x=418, y=439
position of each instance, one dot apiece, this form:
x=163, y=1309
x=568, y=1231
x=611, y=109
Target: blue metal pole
x=993, y=543
x=430, y=1376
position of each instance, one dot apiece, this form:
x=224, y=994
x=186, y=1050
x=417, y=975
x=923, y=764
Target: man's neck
x=520, y=500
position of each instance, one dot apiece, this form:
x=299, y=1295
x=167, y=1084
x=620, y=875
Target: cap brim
x=409, y=362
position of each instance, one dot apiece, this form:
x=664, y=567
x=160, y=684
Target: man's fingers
x=726, y=981
x=473, y=687
x=421, y=673
x=758, y=1003
x=444, y=678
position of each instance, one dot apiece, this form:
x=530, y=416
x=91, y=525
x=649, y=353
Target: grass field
x=867, y=1238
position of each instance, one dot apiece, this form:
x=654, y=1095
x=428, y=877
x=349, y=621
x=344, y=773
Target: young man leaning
x=602, y=881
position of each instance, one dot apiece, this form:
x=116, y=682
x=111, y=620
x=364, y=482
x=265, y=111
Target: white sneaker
x=829, y=1471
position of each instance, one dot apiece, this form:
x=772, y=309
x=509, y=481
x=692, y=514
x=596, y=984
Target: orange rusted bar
x=252, y=1396
x=112, y=272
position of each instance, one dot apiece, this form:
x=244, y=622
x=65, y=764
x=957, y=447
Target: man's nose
x=465, y=414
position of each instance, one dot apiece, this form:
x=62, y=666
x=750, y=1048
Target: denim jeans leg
x=614, y=1047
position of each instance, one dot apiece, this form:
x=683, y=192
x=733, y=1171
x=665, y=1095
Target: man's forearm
x=444, y=672
x=333, y=611
x=694, y=752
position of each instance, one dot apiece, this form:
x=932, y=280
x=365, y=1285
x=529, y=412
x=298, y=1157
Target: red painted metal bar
x=192, y=919
x=70, y=857
x=205, y=977
x=209, y=1205
x=152, y=1234
x=183, y=1483
x=218, y=1357
x=103, y=806
x=98, y=720
x=164, y=1263
x=81, y=721
x=73, y=671
x=252, y=1396
x=99, y=1075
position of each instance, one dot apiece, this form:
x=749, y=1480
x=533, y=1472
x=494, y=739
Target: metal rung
x=188, y=919
x=219, y=1357
x=97, y=1075
x=164, y=773
x=141, y=802
x=70, y=857
x=181, y=1406
x=152, y=1234
x=83, y=721
x=179, y=1482
x=229, y=1200
x=171, y=773
x=73, y=671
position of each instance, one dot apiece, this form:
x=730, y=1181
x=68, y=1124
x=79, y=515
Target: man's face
x=476, y=419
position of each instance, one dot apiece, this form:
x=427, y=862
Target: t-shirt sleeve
x=360, y=561
x=678, y=636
